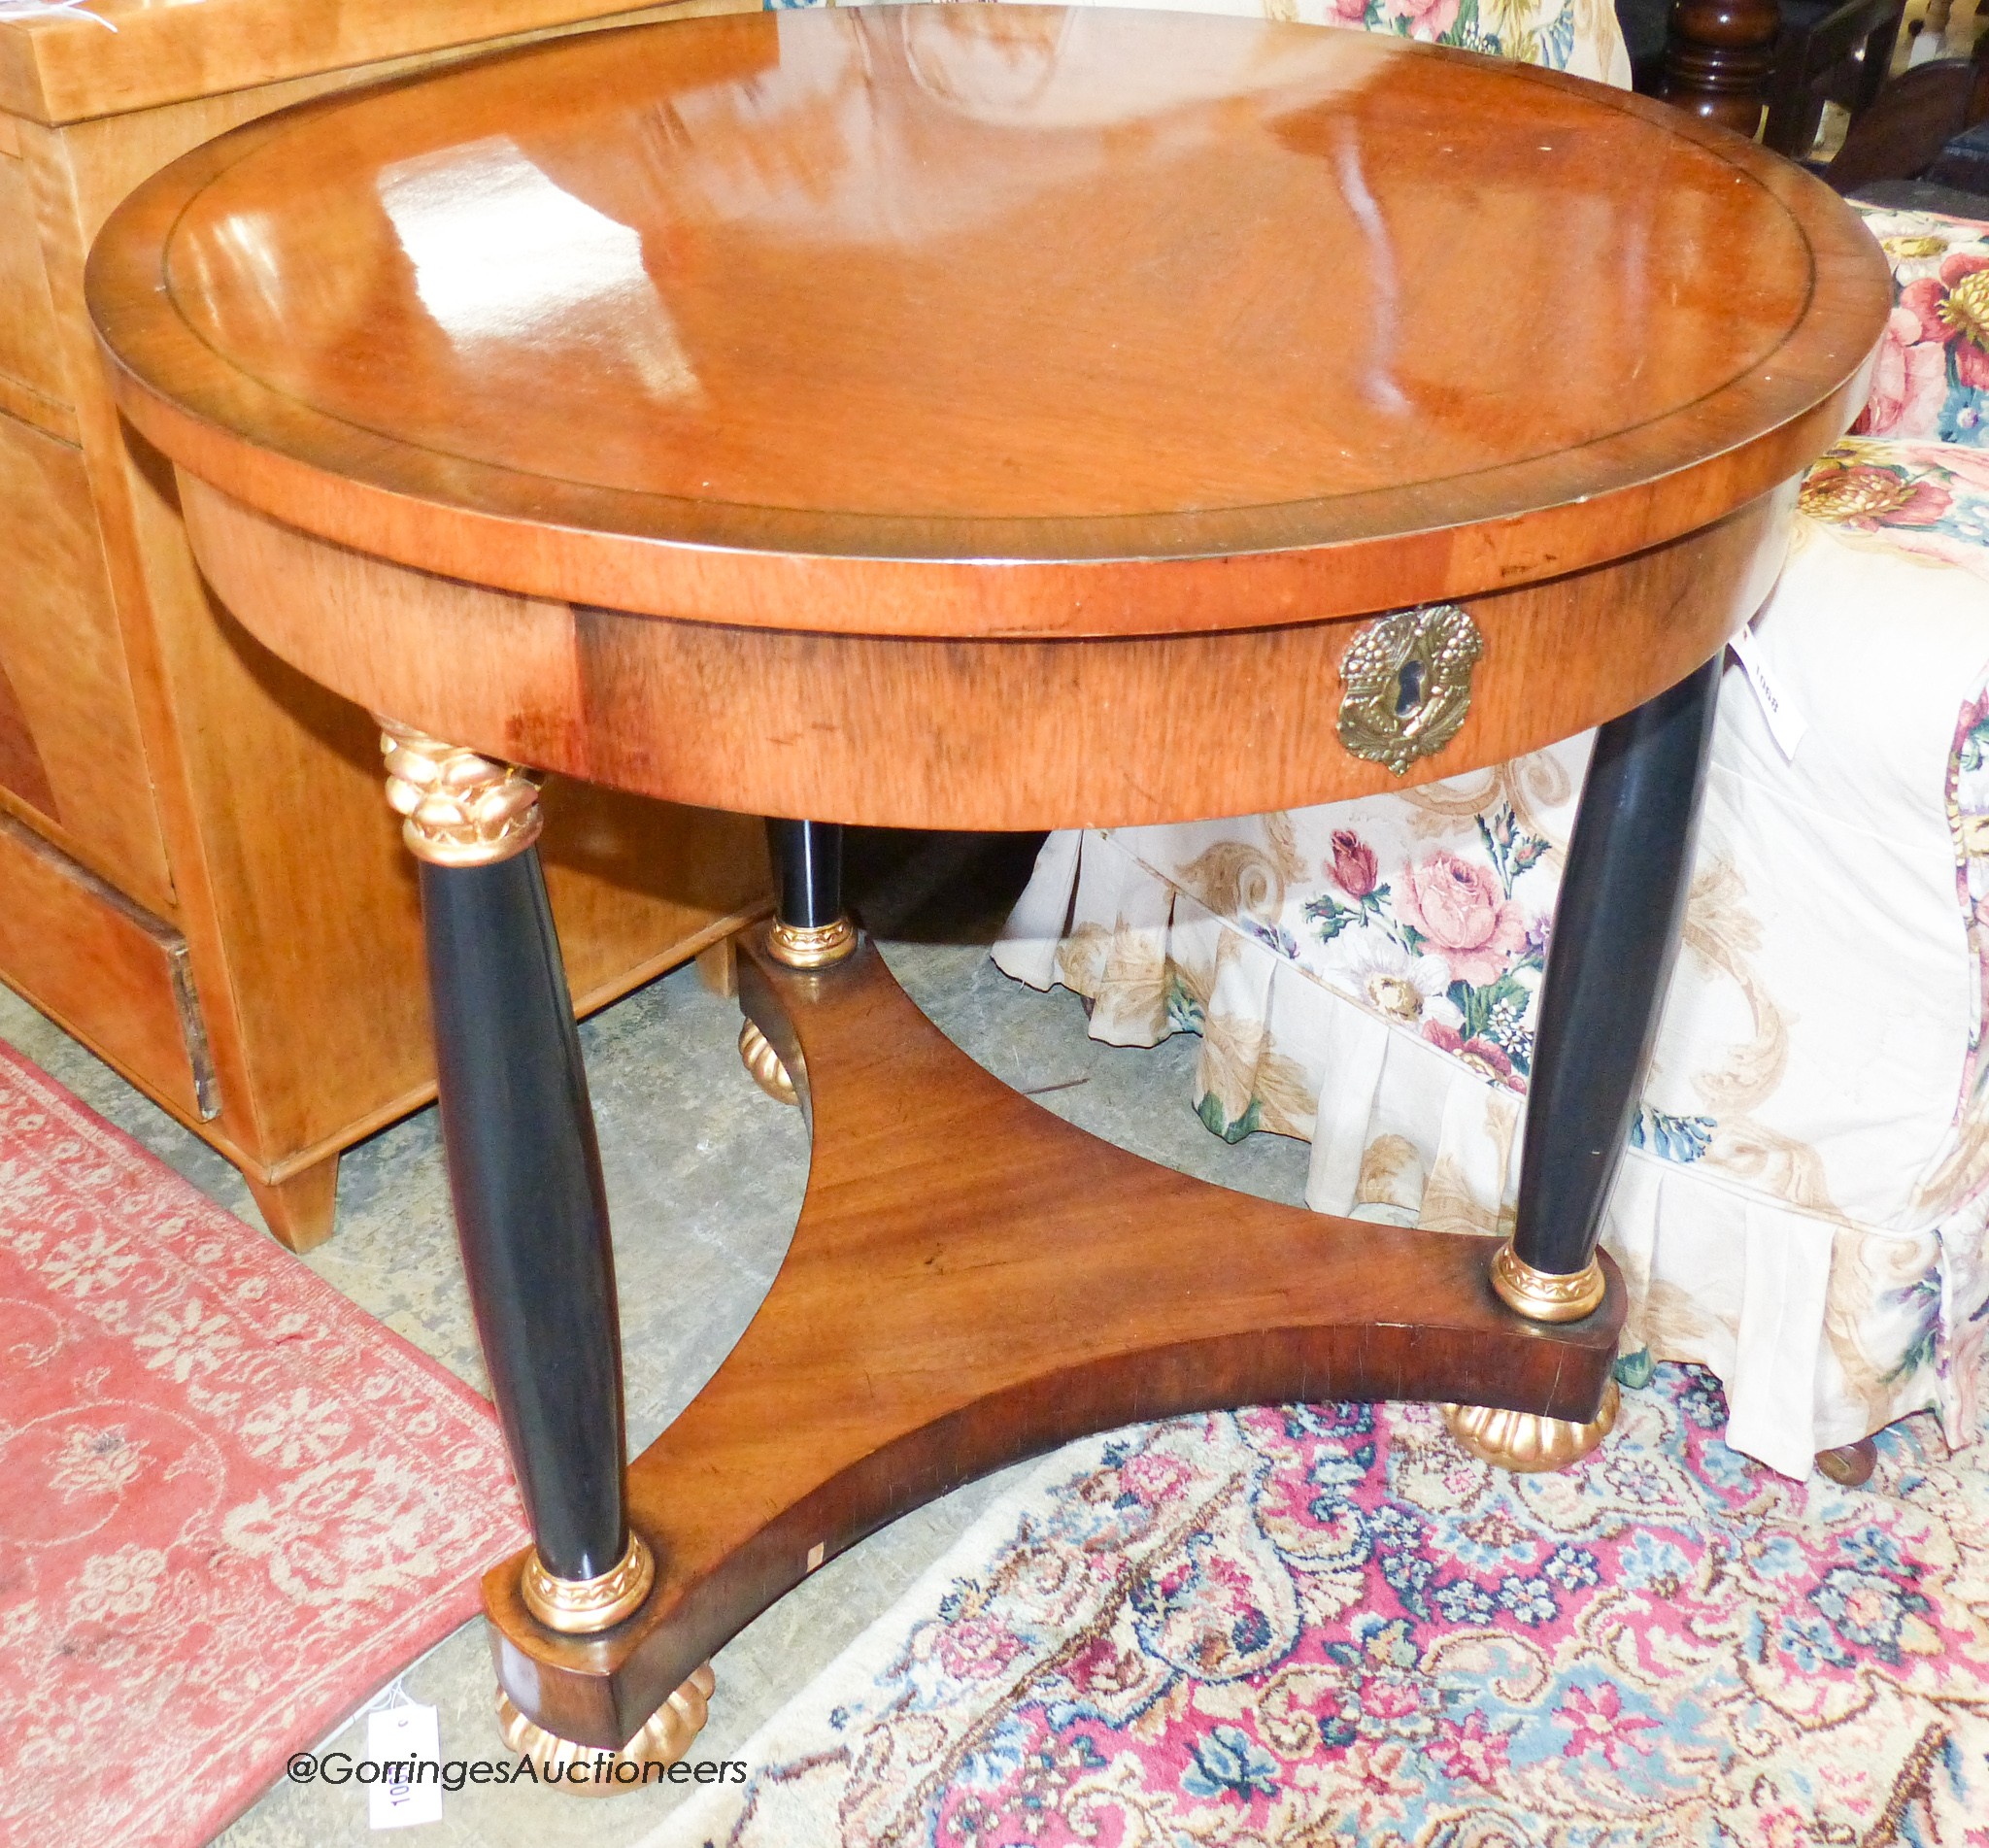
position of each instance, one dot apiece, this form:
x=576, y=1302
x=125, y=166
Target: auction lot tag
x=407, y=1738
x=1786, y=725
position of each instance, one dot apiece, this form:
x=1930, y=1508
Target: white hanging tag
x=407, y=1738
x=1786, y=725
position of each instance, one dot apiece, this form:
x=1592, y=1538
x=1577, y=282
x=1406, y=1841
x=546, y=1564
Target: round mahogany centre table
x=981, y=418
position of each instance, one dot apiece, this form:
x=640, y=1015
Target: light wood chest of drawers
x=198, y=875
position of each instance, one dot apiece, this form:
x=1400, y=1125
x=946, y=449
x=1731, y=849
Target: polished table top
x=633, y=318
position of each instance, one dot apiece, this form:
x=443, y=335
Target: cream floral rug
x=1314, y=1625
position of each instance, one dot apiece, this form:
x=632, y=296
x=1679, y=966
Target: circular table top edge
x=1236, y=567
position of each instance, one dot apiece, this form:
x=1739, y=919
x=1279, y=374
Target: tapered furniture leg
x=300, y=1209
x=1615, y=935
x=525, y=1177
x=810, y=930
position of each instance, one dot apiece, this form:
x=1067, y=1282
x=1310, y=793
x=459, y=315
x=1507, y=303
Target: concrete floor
x=704, y=1179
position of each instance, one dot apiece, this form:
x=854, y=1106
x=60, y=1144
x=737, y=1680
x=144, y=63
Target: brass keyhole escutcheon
x=1406, y=684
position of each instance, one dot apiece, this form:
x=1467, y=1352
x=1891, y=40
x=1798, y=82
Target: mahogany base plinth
x=973, y=1280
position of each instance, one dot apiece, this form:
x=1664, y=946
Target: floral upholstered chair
x=1578, y=36
x=1801, y=1207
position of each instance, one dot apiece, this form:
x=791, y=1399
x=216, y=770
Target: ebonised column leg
x=524, y=1172
x=810, y=930
x=1615, y=936
x=524, y=1175
x=810, y=927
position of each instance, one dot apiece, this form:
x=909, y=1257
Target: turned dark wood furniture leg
x=808, y=857
x=1719, y=55
x=1615, y=935
x=524, y=1173
x=525, y=1177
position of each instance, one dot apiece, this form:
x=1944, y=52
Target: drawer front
x=69, y=743
x=28, y=351
x=107, y=970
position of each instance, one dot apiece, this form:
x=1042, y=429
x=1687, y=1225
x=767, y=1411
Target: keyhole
x=1408, y=688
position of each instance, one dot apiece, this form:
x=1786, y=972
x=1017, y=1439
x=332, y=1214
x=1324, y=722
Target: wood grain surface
x=28, y=352
x=62, y=652
x=65, y=68
x=105, y=969
x=973, y=1280
x=802, y=320
x=913, y=732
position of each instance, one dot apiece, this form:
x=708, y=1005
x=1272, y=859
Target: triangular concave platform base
x=973, y=1280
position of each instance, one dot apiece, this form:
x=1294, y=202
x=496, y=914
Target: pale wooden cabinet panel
x=104, y=968
x=28, y=354
x=69, y=740
x=200, y=876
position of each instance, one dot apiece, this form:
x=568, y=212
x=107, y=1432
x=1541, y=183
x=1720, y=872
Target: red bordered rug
x=231, y=1503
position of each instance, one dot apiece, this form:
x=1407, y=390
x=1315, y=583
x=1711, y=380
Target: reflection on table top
x=1008, y=281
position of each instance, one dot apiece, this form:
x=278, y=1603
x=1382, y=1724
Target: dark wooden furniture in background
x=814, y=455
x=1837, y=50
x=1764, y=66
x=192, y=877
x=1718, y=59
x=1924, y=124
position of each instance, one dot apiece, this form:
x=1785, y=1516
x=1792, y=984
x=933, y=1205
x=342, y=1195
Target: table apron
x=915, y=732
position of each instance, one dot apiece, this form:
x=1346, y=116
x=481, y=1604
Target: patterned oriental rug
x=234, y=1504
x=1326, y=1624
